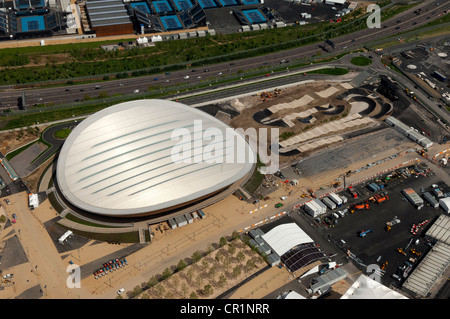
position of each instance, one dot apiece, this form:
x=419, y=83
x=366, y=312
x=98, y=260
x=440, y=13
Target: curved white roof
x=120, y=161
x=367, y=288
x=284, y=237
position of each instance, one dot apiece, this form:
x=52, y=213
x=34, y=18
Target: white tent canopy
x=445, y=204
x=367, y=288
x=284, y=237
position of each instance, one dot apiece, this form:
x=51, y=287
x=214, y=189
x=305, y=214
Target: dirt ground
x=322, y=93
x=223, y=268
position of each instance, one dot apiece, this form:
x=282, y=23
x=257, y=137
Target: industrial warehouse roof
x=436, y=261
x=107, y=12
x=122, y=160
x=430, y=269
x=440, y=230
x=284, y=237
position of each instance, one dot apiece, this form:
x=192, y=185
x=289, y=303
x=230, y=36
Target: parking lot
x=423, y=60
x=379, y=246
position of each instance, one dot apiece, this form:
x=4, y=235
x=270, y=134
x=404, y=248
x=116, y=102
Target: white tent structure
x=367, y=288
x=33, y=200
x=445, y=204
x=293, y=295
x=284, y=237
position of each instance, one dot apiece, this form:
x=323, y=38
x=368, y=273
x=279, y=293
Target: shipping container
x=201, y=214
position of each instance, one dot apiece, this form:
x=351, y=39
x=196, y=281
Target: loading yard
x=365, y=235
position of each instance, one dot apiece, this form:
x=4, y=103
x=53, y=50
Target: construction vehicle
x=336, y=184
x=311, y=192
x=392, y=223
x=415, y=252
x=401, y=251
x=379, y=198
x=364, y=233
x=278, y=205
x=352, y=192
x=361, y=206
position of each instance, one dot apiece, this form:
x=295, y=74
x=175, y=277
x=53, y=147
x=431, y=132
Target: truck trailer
x=438, y=75
x=413, y=198
x=330, y=204
x=336, y=199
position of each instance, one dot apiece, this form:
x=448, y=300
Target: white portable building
x=315, y=208
x=65, y=236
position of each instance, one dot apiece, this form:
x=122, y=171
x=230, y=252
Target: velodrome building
x=151, y=158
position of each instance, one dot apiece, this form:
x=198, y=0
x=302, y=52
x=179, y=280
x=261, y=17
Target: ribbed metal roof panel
x=119, y=161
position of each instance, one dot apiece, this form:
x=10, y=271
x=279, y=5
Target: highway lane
x=70, y=94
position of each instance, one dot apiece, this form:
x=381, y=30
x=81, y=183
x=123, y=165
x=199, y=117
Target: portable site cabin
x=438, y=193
x=336, y=199
x=255, y=233
x=431, y=200
x=172, y=223
x=264, y=249
x=315, y=208
x=201, y=214
x=180, y=220
x=189, y=218
x=330, y=204
x=65, y=236
x=273, y=259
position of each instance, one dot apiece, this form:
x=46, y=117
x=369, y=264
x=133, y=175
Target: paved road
x=126, y=86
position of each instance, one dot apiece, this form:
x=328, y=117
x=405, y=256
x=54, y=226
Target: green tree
x=208, y=290
x=181, y=265
x=193, y=295
x=152, y=282
x=223, y=241
x=166, y=273
x=196, y=256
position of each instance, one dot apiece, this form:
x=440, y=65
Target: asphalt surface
x=357, y=39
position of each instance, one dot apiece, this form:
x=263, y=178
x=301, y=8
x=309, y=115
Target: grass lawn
x=62, y=133
x=361, y=61
x=330, y=71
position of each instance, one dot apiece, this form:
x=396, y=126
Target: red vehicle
x=352, y=192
